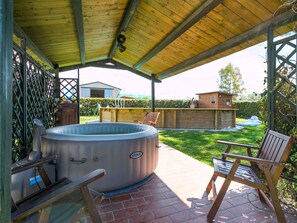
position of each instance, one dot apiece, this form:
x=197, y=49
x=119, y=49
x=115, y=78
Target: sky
x=186, y=85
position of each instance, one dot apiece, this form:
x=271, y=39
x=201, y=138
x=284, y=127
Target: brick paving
x=176, y=195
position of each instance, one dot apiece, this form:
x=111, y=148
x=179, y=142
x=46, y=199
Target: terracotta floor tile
x=140, y=218
x=111, y=207
x=165, y=211
x=182, y=216
x=161, y=220
x=107, y=216
x=144, y=193
x=124, y=213
x=134, y=202
x=118, y=198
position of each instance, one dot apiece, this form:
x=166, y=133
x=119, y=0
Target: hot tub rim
x=147, y=131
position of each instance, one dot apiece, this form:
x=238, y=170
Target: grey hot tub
x=128, y=152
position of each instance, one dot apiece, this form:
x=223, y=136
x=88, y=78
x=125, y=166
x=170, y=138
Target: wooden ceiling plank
x=22, y=35
x=259, y=30
x=133, y=5
x=272, y=6
x=184, y=26
x=257, y=9
x=77, y=7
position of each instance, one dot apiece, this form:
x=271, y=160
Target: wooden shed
x=98, y=90
x=216, y=99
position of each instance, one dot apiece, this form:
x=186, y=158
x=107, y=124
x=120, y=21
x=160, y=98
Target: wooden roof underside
x=163, y=37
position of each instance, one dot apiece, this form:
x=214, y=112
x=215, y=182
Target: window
x=95, y=93
x=228, y=101
x=212, y=99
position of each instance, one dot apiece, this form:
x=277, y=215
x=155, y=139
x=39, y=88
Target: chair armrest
x=57, y=194
x=252, y=159
x=152, y=123
x=32, y=163
x=238, y=144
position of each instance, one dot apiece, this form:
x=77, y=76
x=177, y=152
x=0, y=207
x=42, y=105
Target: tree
x=230, y=80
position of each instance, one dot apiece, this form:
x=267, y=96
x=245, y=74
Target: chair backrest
x=151, y=117
x=276, y=147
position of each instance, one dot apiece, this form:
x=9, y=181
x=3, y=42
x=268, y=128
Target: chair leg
x=44, y=215
x=209, y=185
x=91, y=205
x=273, y=194
x=261, y=197
x=217, y=202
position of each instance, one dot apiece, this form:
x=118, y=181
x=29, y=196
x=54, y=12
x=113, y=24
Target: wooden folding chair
x=150, y=118
x=61, y=201
x=274, y=150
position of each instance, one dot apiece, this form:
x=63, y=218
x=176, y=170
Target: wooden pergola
x=155, y=39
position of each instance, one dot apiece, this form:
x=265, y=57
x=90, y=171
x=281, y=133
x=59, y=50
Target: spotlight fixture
x=121, y=39
x=122, y=48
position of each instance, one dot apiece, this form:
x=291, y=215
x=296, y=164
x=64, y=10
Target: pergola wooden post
x=6, y=18
x=153, y=92
x=270, y=79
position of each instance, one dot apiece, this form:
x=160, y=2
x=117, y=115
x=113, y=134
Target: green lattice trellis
x=69, y=90
x=282, y=94
x=33, y=97
x=284, y=90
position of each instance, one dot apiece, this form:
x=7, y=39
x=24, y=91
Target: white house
x=98, y=90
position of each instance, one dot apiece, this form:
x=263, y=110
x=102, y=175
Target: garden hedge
x=89, y=106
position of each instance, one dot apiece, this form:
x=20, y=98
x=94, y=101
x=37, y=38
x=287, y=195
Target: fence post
x=6, y=26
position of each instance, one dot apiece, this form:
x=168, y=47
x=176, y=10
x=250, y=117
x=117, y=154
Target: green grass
x=84, y=119
x=202, y=145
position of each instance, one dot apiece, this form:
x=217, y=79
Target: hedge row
x=90, y=106
x=246, y=109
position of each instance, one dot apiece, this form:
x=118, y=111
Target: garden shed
x=216, y=99
x=98, y=90
x=155, y=39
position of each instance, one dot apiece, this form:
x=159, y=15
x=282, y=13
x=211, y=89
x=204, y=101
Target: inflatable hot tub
x=128, y=152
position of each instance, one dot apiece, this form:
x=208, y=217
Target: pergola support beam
x=259, y=30
x=29, y=43
x=153, y=92
x=77, y=7
x=6, y=31
x=270, y=79
x=111, y=64
x=133, y=5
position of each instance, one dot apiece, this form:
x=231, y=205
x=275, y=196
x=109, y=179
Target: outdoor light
x=122, y=48
x=121, y=39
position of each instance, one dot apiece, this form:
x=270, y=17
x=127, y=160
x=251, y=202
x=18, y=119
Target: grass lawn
x=202, y=145
x=84, y=119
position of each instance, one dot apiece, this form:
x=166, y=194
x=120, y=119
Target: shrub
x=90, y=106
x=246, y=109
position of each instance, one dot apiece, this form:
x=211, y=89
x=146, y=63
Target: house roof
x=162, y=38
x=98, y=85
x=215, y=92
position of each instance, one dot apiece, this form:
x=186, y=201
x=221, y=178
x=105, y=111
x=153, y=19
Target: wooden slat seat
x=61, y=201
x=244, y=172
x=274, y=150
x=150, y=118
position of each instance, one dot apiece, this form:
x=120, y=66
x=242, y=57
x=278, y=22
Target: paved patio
x=176, y=194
